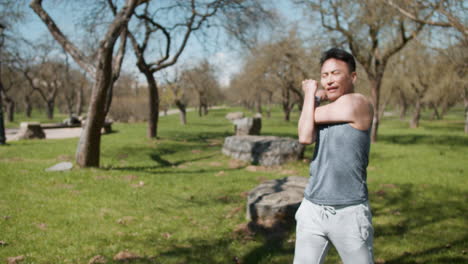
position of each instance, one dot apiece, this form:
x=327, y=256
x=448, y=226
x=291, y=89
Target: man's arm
x=306, y=127
x=353, y=108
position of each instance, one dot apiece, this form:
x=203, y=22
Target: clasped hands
x=311, y=86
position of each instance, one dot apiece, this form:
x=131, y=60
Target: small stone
x=15, y=260
x=126, y=256
x=97, y=260
x=62, y=166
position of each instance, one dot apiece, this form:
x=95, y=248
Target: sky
x=226, y=61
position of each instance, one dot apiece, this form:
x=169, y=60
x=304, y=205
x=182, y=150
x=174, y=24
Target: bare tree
x=171, y=26
x=201, y=82
x=11, y=83
x=174, y=86
x=373, y=32
x=101, y=70
x=449, y=13
x=2, y=124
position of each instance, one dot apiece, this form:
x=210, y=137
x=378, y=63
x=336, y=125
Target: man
x=335, y=208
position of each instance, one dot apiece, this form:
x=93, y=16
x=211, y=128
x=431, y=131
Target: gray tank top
x=338, y=168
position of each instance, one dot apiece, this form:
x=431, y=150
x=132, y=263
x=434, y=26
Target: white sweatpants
x=348, y=228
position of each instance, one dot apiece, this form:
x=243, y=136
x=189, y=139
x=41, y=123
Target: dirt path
x=56, y=133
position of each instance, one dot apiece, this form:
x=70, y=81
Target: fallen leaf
x=290, y=172
x=381, y=192
x=125, y=220
x=234, y=212
x=215, y=164
x=196, y=151
x=380, y=261
x=389, y=186
x=15, y=260
x=166, y=235
x=129, y=177
x=3, y=243
x=97, y=260
x=221, y=173
x=223, y=198
x=244, y=194
x=42, y=226
x=235, y=164
x=126, y=256
x=251, y=168
x=139, y=184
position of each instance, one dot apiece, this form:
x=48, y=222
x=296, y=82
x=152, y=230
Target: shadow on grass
x=188, y=136
x=412, y=212
x=412, y=139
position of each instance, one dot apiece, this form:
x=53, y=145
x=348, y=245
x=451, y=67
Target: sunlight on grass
x=178, y=199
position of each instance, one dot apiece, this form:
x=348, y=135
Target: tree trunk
x=88, y=151
x=183, y=112
x=414, y=123
x=286, y=105
x=465, y=97
x=153, y=113
x=10, y=110
x=287, y=112
x=205, y=109
x=259, y=104
x=79, y=101
x=2, y=123
x=27, y=106
x=403, y=105
x=375, y=82
x=50, y=109
x=435, y=112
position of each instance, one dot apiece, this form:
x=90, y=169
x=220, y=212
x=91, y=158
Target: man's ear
x=354, y=76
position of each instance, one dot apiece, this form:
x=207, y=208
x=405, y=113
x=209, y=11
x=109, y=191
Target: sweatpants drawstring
x=326, y=210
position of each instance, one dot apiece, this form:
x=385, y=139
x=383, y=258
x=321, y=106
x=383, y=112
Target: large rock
x=247, y=126
x=234, y=115
x=30, y=130
x=263, y=150
x=276, y=201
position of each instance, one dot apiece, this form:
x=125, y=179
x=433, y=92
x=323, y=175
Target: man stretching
x=335, y=208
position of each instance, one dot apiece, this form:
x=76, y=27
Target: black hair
x=339, y=54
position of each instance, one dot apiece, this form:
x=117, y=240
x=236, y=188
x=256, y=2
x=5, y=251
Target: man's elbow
x=306, y=140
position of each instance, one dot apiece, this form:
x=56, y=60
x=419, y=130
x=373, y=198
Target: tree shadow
x=412, y=139
x=412, y=212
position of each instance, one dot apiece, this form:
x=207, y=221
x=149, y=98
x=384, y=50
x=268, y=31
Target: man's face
x=336, y=78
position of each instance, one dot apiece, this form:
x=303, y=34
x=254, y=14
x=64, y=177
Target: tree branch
x=77, y=55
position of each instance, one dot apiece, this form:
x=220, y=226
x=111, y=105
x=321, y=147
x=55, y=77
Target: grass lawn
x=179, y=200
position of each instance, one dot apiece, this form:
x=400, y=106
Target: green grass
x=179, y=200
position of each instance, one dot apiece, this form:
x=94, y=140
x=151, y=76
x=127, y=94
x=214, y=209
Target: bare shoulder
x=361, y=108
x=355, y=100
